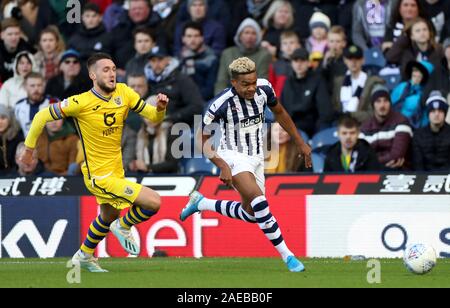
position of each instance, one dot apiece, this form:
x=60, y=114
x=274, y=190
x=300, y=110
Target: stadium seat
x=199, y=166
x=324, y=138
x=318, y=160
x=392, y=77
x=374, y=60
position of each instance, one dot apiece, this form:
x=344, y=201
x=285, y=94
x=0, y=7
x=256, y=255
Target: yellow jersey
x=99, y=121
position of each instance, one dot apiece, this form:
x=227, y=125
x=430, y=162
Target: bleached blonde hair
x=241, y=66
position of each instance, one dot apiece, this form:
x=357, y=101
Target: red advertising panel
x=210, y=234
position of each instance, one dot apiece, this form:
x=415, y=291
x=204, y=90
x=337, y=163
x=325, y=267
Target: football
x=419, y=258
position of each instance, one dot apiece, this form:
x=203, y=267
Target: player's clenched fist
x=161, y=102
x=26, y=157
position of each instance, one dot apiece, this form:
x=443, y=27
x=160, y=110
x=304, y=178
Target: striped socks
x=135, y=215
x=268, y=224
x=230, y=209
x=96, y=233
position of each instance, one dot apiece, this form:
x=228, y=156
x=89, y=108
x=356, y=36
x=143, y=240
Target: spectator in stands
x=167, y=10
x=128, y=143
x=445, y=70
x=431, y=144
x=284, y=156
x=387, y=131
x=350, y=154
x=403, y=14
x=281, y=69
x=144, y=43
x=112, y=14
x=370, y=20
x=35, y=168
x=36, y=100
x=140, y=13
x=164, y=77
x=242, y=9
x=218, y=10
x=51, y=46
x=91, y=36
x=10, y=137
x=247, y=44
x=153, y=149
x=57, y=148
x=32, y=15
x=138, y=82
x=13, y=90
x=11, y=44
x=198, y=60
x=305, y=96
x=278, y=19
x=319, y=25
x=407, y=96
x=333, y=64
x=351, y=93
x=214, y=32
x=418, y=43
x=439, y=13
x=304, y=9
x=70, y=81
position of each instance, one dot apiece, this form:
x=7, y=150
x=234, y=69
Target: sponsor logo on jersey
x=110, y=119
x=251, y=121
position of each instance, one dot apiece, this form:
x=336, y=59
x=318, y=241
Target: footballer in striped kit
x=238, y=113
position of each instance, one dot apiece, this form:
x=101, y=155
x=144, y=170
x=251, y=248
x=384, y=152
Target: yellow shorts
x=117, y=192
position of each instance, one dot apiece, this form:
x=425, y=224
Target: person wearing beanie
x=407, y=96
x=387, y=131
x=247, y=41
x=431, y=144
x=319, y=25
x=10, y=137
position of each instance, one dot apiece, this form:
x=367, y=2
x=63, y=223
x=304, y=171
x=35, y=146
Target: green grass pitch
x=217, y=273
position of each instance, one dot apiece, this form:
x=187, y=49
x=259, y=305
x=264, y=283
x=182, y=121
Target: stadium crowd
x=367, y=82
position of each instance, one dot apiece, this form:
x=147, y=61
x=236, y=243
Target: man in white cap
x=431, y=144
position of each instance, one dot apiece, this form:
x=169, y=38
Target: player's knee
x=153, y=203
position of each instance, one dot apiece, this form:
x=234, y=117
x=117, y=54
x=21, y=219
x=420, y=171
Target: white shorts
x=240, y=162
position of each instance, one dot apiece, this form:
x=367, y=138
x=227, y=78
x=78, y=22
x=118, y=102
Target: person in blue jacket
x=407, y=96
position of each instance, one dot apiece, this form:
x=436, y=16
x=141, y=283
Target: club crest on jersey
x=129, y=191
x=118, y=101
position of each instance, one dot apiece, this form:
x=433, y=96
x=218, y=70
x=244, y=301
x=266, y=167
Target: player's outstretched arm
x=286, y=122
x=154, y=114
x=37, y=126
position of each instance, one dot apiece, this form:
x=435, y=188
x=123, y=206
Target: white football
x=419, y=258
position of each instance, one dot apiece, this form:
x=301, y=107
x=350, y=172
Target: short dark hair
x=33, y=75
x=97, y=57
x=348, y=121
x=193, y=25
x=9, y=23
x=93, y=7
x=144, y=30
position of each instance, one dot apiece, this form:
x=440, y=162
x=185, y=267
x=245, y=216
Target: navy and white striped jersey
x=240, y=120
x=25, y=112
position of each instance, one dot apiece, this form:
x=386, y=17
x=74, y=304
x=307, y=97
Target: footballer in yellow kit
x=99, y=116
